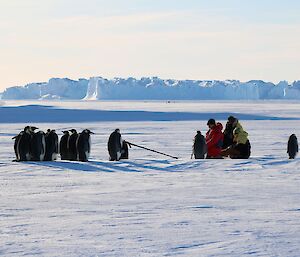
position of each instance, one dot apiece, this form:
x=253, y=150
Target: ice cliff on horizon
x=153, y=88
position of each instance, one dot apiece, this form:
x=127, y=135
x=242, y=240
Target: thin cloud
x=112, y=21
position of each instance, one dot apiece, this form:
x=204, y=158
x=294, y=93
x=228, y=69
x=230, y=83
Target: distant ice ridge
x=153, y=88
x=55, y=88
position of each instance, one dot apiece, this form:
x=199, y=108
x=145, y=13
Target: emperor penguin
x=63, y=146
x=114, y=145
x=125, y=150
x=83, y=145
x=22, y=145
x=38, y=146
x=51, y=139
x=292, y=148
x=72, y=145
x=199, y=147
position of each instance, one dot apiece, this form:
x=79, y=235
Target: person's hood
x=218, y=127
x=239, y=134
x=239, y=126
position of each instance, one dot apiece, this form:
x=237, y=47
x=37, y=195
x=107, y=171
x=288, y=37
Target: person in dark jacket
x=228, y=132
x=199, y=146
x=292, y=148
x=214, y=139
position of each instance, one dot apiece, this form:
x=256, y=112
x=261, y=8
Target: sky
x=187, y=39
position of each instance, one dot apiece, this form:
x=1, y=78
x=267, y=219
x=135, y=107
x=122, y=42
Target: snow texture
x=153, y=88
x=150, y=205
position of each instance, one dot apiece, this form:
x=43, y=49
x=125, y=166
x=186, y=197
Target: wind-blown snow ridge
x=153, y=88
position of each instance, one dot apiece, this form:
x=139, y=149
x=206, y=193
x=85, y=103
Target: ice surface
x=153, y=88
x=150, y=205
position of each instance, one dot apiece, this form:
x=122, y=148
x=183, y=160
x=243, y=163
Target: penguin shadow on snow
x=272, y=160
x=94, y=166
x=126, y=166
x=188, y=164
x=107, y=166
x=65, y=165
x=144, y=166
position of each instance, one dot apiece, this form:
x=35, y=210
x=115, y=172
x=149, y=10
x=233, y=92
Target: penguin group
x=30, y=145
x=36, y=146
x=75, y=146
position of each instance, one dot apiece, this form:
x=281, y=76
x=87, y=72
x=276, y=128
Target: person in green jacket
x=241, y=148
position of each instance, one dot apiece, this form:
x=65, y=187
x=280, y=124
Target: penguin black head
x=87, y=131
x=117, y=130
x=27, y=128
x=65, y=132
x=73, y=130
x=32, y=128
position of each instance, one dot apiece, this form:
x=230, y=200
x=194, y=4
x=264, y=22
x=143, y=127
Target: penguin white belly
x=118, y=155
x=28, y=156
x=42, y=155
x=54, y=157
x=87, y=155
x=18, y=152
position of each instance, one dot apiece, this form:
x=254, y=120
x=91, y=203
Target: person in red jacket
x=214, y=139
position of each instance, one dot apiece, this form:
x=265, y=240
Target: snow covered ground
x=150, y=205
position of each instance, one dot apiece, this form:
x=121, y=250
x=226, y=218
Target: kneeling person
x=241, y=148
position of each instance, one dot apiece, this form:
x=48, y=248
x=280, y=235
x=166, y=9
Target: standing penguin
x=83, y=145
x=125, y=150
x=72, y=145
x=63, y=146
x=114, y=145
x=199, y=147
x=292, y=148
x=16, y=145
x=22, y=145
x=38, y=146
x=51, y=139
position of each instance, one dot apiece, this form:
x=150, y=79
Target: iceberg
x=152, y=88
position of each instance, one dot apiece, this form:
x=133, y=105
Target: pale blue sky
x=190, y=39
